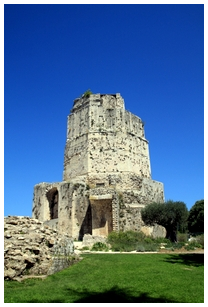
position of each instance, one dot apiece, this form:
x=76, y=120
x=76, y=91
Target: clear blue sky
x=153, y=55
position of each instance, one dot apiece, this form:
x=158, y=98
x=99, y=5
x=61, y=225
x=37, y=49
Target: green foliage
x=196, y=217
x=148, y=240
x=161, y=240
x=125, y=241
x=85, y=248
x=193, y=245
x=87, y=94
x=147, y=247
x=182, y=237
x=140, y=248
x=129, y=235
x=168, y=245
x=132, y=240
x=154, y=213
x=200, y=240
x=99, y=246
x=178, y=245
x=128, y=241
x=171, y=215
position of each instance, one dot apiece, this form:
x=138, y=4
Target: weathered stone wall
x=90, y=240
x=41, y=208
x=155, y=231
x=105, y=210
x=102, y=137
x=106, y=156
x=72, y=206
x=32, y=248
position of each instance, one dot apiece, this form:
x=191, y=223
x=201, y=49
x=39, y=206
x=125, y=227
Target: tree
x=171, y=215
x=196, y=217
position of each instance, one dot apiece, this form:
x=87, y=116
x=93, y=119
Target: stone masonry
x=107, y=176
x=32, y=248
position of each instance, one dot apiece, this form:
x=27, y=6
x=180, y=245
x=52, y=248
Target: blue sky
x=153, y=55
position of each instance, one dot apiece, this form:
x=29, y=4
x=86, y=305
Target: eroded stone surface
x=32, y=248
x=107, y=176
x=156, y=231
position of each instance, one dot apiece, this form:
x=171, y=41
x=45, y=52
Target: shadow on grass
x=114, y=295
x=186, y=259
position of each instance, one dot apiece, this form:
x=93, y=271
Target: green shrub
x=151, y=247
x=85, y=248
x=140, y=248
x=162, y=240
x=193, y=245
x=99, y=246
x=182, y=237
x=130, y=240
x=178, y=245
x=148, y=240
x=147, y=247
x=200, y=240
x=168, y=244
x=125, y=237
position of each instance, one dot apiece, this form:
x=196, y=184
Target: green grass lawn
x=114, y=278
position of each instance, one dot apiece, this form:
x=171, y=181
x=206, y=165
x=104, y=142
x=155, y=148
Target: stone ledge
x=100, y=197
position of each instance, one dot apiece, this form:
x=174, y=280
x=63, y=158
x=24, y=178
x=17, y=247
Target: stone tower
x=107, y=176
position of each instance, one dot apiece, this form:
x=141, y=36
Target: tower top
x=108, y=101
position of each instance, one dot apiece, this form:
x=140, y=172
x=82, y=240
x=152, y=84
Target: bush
x=125, y=241
x=85, y=248
x=200, y=240
x=182, y=237
x=125, y=236
x=99, y=246
x=178, y=245
x=147, y=247
x=131, y=240
x=193, y=245
x=148, y=240
x=168, y=244
x=140, y=248
x=161, y=240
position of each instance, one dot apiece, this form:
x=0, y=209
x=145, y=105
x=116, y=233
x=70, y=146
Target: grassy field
x=114, y=278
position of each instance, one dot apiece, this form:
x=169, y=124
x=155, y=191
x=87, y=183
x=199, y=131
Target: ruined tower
x=107, y=175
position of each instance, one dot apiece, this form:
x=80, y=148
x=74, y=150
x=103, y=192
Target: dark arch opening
x=52, y=196
x=86, y=227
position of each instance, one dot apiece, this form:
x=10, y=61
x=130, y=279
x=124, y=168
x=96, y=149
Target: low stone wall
x=32, y=248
